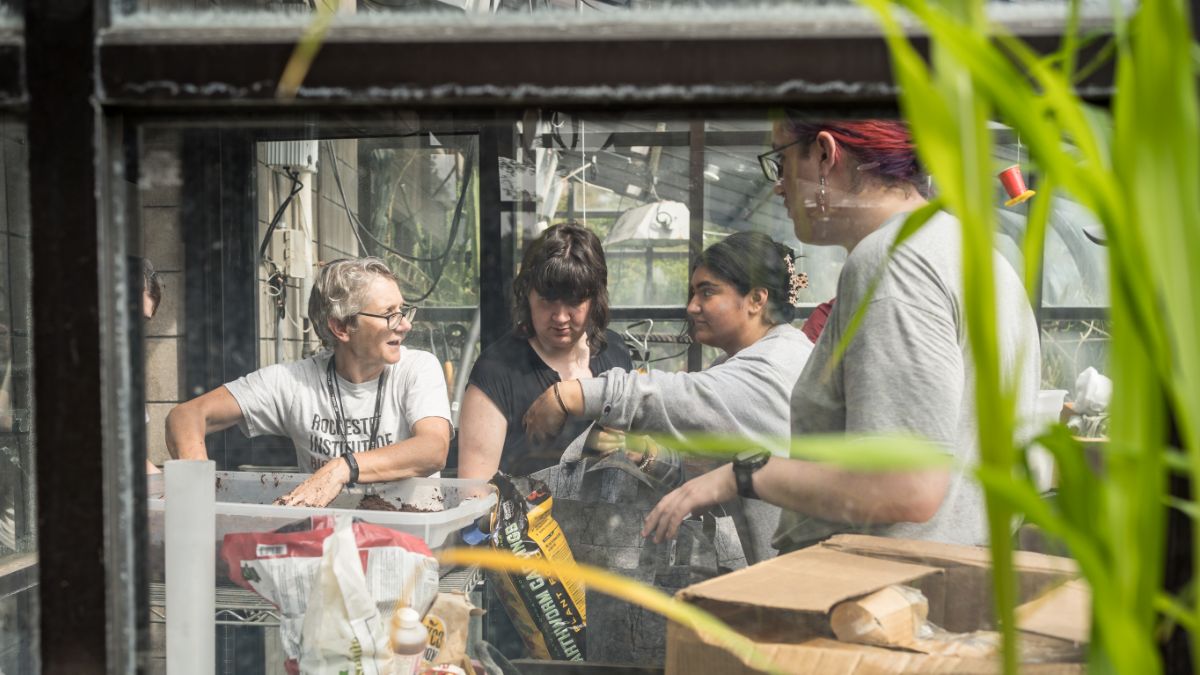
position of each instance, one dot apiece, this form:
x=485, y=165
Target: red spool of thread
x=1014, y=185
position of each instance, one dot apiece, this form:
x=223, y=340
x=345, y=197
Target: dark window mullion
x=68, y=358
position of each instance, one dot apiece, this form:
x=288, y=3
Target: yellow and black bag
x=548, y=612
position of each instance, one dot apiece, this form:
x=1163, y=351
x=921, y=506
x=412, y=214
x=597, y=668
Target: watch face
x=751, y=456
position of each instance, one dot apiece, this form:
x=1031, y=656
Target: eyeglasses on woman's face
x=771, y=161
x=408, y=312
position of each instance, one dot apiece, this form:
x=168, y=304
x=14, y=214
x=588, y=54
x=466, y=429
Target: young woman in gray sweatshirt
x=743, y=295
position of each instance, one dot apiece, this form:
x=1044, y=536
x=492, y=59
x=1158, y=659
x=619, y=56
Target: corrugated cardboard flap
x=942, y=555
x=968, y=571
x=1064, y=613
x=783, y=605
x=814, y=579
x=689, y=652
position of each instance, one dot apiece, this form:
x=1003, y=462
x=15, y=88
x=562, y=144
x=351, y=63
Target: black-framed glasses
x=393, y=318
x=771, y=161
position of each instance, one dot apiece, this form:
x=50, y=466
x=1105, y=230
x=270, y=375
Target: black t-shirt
x=512, y=375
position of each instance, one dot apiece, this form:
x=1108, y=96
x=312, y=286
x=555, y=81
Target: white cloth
x=1093, y=392
x=292, y=399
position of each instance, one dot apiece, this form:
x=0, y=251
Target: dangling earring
x=823, y=199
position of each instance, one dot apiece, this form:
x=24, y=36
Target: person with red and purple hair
x=908, y=368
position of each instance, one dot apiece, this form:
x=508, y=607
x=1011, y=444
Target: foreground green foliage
x=1137, y=167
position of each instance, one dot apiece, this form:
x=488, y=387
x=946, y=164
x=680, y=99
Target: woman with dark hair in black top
x=560, y=313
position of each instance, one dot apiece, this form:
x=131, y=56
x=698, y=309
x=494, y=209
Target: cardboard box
x=783, y=605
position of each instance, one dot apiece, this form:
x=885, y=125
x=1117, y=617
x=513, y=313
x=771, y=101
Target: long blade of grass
x=1177, y=461
x=1103, y=56
x=1189, y=508
x=1177, y=612
x=1157, y=158
x=948, y=119
x=1079, y=493
x=619, y=587
x=305, y=52
x=1140, y=181
x=858, y=453
x=1021, y=497
x=1070, y=40
x=1035, y=238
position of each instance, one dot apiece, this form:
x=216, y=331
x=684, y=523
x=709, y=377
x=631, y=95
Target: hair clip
x=796, y=282
x=868, y=166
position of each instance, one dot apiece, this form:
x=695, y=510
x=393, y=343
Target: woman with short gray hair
x=340, y=292
x=364, y=410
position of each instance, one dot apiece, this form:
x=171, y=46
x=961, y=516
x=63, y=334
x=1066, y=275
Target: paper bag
x=343, y=631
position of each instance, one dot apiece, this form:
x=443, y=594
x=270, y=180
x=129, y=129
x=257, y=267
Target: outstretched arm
x=189, y=422
x=417, y=456
x=838, y=495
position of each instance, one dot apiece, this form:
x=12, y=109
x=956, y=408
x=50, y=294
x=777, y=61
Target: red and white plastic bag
x=336, y=583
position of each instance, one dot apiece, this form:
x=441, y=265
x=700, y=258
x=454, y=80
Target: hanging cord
x=583, y=164
x=357, y=225
x=276, y=284
x=337, y=178
x=556, y=123
x=297, y=186
x=454, y=225
x=680, y=338
x=439, y=261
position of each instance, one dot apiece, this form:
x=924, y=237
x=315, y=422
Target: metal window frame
x=89, y=83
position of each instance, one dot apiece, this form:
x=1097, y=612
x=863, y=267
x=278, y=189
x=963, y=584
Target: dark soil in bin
x=377, y=503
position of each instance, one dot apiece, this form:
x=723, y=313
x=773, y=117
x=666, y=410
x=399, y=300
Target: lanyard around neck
x=335, y=397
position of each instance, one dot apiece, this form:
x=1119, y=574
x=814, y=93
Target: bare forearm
x=857, y=497
x=188, y=423
x=478, y=463
x=572, y=397
x=417, y=457
x=186, y=429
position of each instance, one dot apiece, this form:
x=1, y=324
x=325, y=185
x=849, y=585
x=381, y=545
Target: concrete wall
x=162, y=243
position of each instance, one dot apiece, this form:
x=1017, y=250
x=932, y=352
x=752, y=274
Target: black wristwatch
x=744, y=466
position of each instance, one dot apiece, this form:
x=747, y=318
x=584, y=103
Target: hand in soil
x=320, y=489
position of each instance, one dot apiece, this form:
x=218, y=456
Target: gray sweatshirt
x=747, y=394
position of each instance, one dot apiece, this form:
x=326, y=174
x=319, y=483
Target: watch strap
x=743, y=472
x=353, y=464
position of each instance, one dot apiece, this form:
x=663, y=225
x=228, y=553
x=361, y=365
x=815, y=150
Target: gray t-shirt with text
x=909, y=369
x=292, y=399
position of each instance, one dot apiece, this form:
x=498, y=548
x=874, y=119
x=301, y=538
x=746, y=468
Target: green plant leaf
x=1035, y=237
x=305, y=52
x=1177, y=612
x=856, y=453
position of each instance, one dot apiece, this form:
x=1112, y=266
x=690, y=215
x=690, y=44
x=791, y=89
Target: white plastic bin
x=244, y=505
